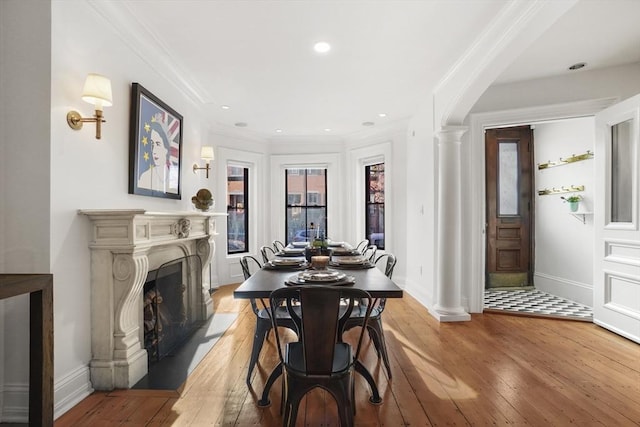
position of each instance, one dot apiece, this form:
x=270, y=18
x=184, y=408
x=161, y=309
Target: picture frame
x=155, y=146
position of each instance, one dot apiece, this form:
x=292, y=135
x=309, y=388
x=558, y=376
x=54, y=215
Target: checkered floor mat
x=534, y=303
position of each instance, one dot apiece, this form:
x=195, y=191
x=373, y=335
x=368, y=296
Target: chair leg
x=262, y=328
x=375, y=326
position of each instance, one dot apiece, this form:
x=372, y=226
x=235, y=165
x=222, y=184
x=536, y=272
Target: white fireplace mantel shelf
x=125, y=245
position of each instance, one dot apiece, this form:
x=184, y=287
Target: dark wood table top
x=264, y=281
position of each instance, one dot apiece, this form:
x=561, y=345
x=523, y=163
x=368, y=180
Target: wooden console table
x=40, y=288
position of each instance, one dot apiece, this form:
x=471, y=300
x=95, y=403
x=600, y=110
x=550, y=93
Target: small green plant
x=571, y=199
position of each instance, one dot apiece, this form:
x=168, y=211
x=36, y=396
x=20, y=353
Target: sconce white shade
x=206, y=153
x=97, y=91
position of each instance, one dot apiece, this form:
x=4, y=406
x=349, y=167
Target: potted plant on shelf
x=573, y=200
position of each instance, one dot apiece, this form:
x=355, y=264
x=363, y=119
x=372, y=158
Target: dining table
x=368, y=278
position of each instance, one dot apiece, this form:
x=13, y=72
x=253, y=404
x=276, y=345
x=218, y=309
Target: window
x=237, y=208
x=374, y=193
x=308, y=186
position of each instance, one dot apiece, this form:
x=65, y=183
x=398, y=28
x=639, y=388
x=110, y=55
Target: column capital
x=450, y=134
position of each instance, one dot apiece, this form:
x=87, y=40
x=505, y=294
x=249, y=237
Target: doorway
x=509, y=215
x=479, y=122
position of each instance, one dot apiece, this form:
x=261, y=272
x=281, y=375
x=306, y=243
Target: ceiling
x=257, y=58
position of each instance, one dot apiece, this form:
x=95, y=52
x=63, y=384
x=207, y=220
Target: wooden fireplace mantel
x=125, y=245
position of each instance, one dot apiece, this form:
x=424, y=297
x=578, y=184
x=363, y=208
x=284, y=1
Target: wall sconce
x=97, y=91
x=206, y=153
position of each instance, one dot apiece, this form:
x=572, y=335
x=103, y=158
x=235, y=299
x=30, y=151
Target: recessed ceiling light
x=322, y=47
x=327, y=129
x=241, y=124
x=368, y=123
x=382, y=114
x=279, y=130
x=225, y=107
x=578, y=66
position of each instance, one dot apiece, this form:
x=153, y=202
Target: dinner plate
x=297, y=280
x=358, y=259
x=293, y=264
x=321, y=275
x=344, y=251
x=299, y=244
x=359, y=266
x=291, y=252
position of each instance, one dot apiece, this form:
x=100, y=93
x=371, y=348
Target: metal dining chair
x=268, y=253
x=370, y=253
x=249, y=266
x=278, y=246
x=386, y=262
x=362, y=246
x=319, y=357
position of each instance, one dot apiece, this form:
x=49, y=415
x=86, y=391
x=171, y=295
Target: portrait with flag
x=155, y=156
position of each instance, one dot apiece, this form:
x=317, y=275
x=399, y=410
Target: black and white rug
x=534, y=303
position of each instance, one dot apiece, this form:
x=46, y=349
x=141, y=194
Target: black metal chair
x=278, y=246
x=319, y=358
x=267, y=253
x=362, y=246
x=249, y=266
x=374, y=326
x=370, y=252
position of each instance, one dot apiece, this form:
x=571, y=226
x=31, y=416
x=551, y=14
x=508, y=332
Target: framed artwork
x=155, y=146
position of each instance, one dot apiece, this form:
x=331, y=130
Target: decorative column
x=448, y=306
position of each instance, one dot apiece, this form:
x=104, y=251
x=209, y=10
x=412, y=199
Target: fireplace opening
x=169, y=304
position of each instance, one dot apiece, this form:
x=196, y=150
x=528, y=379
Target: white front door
x=616, y=298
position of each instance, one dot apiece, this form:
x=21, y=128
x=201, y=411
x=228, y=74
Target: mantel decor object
x=203, y=200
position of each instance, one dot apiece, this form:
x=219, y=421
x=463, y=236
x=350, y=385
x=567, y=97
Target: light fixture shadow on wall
x=206, y=154
x=97, y=91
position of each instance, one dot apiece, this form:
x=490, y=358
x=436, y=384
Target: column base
x=449, y=315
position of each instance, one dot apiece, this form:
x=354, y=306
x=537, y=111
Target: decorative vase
x=203, y=200
x=573, y=206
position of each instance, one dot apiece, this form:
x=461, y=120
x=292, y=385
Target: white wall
x=420, y=210
x=24, y=182
x=564, y=244
x=87, y=173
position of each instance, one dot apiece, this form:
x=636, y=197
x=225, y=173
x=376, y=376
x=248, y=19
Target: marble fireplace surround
x=125, y=245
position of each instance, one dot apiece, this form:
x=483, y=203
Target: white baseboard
x=69, y=390
x=16, y=403
x=575, y=291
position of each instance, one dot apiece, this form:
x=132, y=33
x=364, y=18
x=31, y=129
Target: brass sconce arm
x=207, y=168
x=75, y=121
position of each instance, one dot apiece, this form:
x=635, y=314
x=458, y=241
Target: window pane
x=374, y=222
x=237, y=221
x=621, y=172
x=375, y=225
x=306, y=191
x=316, y=187
x=508, y=178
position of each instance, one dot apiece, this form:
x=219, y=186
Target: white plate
x=321, y=276
x=299, y=244
x=349, y=260
x=287, y=261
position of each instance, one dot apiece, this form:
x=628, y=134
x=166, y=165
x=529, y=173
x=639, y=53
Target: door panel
x=509, y=187
x=616, y=293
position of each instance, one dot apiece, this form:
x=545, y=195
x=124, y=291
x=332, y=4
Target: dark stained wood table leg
x=40, y=289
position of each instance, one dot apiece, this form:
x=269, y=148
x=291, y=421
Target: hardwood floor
x=494, y=370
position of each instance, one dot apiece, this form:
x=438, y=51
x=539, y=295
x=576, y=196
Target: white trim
x=476, y=190
x=16, y=403
x=358, y=159
x=335, y=199
x=71, y=390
